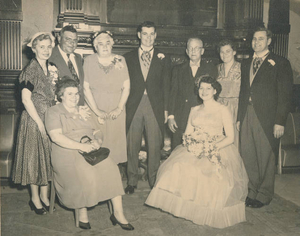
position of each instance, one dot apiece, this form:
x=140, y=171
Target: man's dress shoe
x=257, y=204
x=129, y=189
x=249, y=202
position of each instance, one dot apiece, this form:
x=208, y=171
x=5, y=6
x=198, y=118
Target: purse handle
x=85, y=136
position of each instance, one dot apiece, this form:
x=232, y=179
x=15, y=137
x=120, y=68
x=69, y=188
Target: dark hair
x=264, y=29
x=41, y=38
x=62, y=84
x=226, y=42
x=147, y=24
x=69, y=28
x=209, y=80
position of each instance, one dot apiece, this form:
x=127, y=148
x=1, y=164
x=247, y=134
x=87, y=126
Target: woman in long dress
x=78, y=184
x=204, y=180
x=32, y=157
x=106, y=89
x=230, y=79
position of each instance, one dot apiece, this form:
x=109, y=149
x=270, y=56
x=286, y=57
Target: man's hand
x=278, y=131
x=172, y=124
x=238, y=125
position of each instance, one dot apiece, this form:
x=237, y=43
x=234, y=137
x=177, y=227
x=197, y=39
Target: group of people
x=226, y=121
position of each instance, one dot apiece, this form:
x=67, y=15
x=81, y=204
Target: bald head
x=194, y=49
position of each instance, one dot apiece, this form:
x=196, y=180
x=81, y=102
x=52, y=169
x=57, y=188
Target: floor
x=280, y=218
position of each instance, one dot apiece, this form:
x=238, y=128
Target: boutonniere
x=53, y=73
x=161, y=56
x=117, y=62
x=271, y=62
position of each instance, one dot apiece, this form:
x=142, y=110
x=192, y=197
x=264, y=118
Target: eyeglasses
x=195, y=49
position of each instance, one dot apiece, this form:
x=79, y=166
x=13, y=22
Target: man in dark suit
x=183, y=95
x=66, y=60
x=146, y=108
x=264, y=103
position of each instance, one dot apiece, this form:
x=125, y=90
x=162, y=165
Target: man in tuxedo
x=183, y=95
x=146, y=108
x=264, y=103
x=66, y=60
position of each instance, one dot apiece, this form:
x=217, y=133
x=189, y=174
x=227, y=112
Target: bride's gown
x=194, y=189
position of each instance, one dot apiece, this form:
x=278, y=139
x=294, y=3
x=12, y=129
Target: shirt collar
x=265, y=54
x=64, y=55
x=195, y=64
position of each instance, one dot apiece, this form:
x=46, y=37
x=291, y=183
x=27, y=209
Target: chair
x=289, y=147
x=52, y=203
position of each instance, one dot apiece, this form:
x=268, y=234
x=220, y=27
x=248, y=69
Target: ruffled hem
x=201, y=215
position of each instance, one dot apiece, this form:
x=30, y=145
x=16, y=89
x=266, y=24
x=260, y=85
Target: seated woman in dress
x=230, y=79
x=78, y=184
x=204, y=180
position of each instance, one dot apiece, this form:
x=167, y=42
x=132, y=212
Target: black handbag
x=96, y=156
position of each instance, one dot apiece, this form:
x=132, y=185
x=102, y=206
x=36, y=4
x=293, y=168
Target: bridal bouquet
x=201, y=144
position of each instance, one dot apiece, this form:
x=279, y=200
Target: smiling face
x=43, y=49
x=227, y=53
x=260, y=41
x=68, y=42
x=206, y=91
x=195, y=50
x=147, y=36
x=70, y=97
x=103, y=45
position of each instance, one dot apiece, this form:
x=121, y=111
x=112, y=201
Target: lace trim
x=106, y=69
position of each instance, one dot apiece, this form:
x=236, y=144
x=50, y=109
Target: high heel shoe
x=47, y=207
x=123, y=226
x=84, y=225
x=39, y=211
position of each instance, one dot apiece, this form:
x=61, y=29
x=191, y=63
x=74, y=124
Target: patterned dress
x=230, y=91
x=32, y=156
x=106, y=83
x=198, y=189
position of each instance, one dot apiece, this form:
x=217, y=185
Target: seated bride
x=204, y=179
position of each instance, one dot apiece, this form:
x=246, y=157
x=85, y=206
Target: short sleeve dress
x=32, y=156
x=77, y=183
x=106, y=83
x=230, y=91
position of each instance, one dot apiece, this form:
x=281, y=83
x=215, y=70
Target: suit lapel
x=153, y=65
x=262, y=69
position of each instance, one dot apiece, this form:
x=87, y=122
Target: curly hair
x=226, y=42
x=209, y=80
x=62, y=84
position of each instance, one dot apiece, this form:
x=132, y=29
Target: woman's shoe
x=123, y=226
x=47, y=207
x=84, y=225
x=39, y=211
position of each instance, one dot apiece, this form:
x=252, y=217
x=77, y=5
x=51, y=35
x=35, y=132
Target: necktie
x=146, y=58
x=256, y=64
x=72, y=70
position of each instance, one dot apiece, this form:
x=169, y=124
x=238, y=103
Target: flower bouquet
x=201, y=144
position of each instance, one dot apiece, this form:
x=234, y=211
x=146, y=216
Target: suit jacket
x=184, y=94
x=63, y=69
x=271, y=93
x=157, y=85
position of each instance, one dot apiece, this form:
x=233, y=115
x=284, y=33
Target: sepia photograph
x=150, y=117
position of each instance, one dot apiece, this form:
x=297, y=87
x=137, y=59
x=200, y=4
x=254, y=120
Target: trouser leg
x=134, y=140
x=154, y=141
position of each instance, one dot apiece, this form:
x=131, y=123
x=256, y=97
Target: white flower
x=53, y=73
x=161, y=56
x=271, y=62
x=117, y=62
